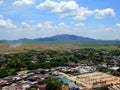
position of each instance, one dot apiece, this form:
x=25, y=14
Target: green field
x=21, y=47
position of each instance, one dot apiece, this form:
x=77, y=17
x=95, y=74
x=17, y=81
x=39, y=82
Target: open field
x=97, y=78
x=21, y=47
x=94, y=79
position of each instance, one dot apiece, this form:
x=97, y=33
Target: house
x=3, y=82
x=32, y=78
x=18, y=86
x=37, y=71
x=42, y=86
x=65, y=87
x=114, y=68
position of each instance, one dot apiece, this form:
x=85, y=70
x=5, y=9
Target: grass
x=9, y=47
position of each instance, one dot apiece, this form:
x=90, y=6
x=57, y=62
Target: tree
x=32, y=88
x=53, y=84
x=103, y=88
x=3, y=73
x=104, y=69
x=118, y=70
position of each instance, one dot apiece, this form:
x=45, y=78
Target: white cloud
x=118, y=25
x=44, y=26
x=1, y=1
x=104, y=13
x=47, y=29
x=24, y=24
x=1, y=16
x=108, y=29
x=62, y=26
x=23, y=2
x=82, y=13
x=48, y=4
x=107, y=34
x=79, y=24
x=65, y=8
x=6, y=24
x=39, y=30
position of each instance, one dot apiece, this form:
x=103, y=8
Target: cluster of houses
x=82, y=69
x=26, y=80
x=33, y=78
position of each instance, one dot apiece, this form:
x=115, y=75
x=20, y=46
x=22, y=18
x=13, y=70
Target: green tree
x=32, y=88
x=104, y=69
x=53, y=84
x=3, y=73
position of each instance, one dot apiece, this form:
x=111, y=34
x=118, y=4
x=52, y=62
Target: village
x=73, y=74
x=26, y=79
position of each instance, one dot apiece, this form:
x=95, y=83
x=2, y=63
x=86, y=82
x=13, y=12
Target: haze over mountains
x=57, y=38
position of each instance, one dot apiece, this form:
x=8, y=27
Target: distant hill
x=57, y=38
x=64, y=38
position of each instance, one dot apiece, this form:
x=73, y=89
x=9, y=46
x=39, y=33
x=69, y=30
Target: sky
x=98, y=19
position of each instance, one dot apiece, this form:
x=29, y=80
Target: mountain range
x=57, y=38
